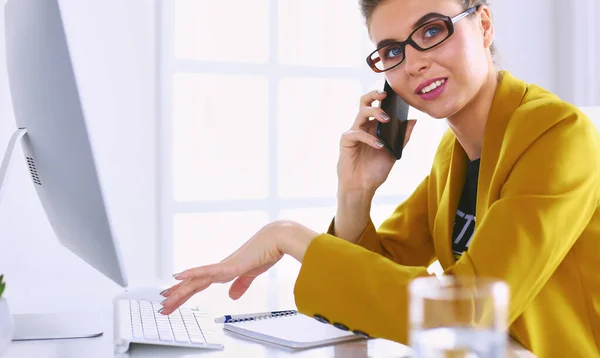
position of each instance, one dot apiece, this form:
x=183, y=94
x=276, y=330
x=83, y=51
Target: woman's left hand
x=263, y=250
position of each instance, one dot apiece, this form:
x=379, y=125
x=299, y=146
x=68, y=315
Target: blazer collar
x=509, y=96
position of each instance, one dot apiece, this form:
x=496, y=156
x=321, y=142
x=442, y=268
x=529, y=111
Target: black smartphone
x=392, y=133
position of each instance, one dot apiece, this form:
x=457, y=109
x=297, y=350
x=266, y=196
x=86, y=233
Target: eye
x=432, y=31
x=393, y=52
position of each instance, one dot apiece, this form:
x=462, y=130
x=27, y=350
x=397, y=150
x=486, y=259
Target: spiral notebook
x=293, y=330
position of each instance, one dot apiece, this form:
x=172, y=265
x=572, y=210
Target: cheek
x=473, y=59
x=397, y=78
x=460, y=60
x=456, y=56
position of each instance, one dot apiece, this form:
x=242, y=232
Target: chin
x=438, y=115
x=440, y=111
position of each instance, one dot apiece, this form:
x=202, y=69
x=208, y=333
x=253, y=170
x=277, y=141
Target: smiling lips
x=431, y=89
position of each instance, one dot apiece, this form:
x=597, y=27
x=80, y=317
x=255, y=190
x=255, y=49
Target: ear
x=486, y=26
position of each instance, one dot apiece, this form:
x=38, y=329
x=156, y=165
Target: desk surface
x=235, y=346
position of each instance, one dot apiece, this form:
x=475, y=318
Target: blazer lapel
x=508, y=98
x=448, y=206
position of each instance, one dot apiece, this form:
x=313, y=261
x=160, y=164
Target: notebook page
x=297, y=331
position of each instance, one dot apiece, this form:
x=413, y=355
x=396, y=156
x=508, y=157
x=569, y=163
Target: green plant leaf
x=2, y=285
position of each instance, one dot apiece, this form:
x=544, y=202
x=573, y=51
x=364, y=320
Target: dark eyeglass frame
x=449, y=21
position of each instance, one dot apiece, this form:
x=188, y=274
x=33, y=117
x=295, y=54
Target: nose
x=416, y=62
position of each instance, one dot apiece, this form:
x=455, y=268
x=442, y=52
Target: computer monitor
x=51, y=126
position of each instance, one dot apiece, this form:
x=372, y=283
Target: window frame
x=168, y=65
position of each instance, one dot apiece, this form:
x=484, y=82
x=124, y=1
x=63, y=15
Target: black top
x=464, y=223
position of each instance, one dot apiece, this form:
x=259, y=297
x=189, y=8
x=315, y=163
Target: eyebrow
x=421, y=21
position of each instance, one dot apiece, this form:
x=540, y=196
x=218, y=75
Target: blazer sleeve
x=339, y=279
x=545, y=204
x=354, y=288
x=404, y=237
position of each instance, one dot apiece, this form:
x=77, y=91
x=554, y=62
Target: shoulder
x=542, y=114
x=547, y=137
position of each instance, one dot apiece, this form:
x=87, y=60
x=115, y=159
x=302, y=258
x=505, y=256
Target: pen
x=253, y=316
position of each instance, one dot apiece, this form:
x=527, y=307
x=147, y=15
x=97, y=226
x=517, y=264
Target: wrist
x=356, y=204
x=352, y=215
x=293, y=238
x=354, y=198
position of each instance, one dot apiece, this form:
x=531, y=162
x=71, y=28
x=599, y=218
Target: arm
x=351, y=285
x=352, y=215
x=404, y=237
x=522, y=239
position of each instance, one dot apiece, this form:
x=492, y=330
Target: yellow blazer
x=538, y=228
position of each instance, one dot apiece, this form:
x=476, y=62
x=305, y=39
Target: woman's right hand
x=364, y=164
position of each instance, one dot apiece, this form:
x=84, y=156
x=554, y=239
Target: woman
x=517, y=161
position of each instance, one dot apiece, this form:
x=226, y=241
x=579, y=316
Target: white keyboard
x=138, y=321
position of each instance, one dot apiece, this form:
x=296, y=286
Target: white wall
x=578, y=51
x=552, y=43
x=524, y=37
x=112, y=43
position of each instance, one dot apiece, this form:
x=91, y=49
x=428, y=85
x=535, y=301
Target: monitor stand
x=52, y=325
x=44, y=326
x=12, y=143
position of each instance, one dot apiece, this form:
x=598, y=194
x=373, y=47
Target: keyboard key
x=181, y=337
x=151, y=336
x=181, y=332
x=136, y=330
x=166, y=336
x=197, y=339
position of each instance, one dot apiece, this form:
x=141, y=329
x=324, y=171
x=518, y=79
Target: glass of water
x=458, y=317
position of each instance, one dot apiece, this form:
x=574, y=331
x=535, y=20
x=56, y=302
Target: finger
x=240, y=286
x=198, y=279
x=193, y=281
x=242, y=283
x=171, y=289
x=409, y=129
x=199, y=272
x=354, y=137
x=183, y=294
x=368, y=98
x=366, y=113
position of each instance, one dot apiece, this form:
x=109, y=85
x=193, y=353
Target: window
x=253, y=104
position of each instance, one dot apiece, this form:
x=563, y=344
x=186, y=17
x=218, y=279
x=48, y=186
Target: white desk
x=235, y=346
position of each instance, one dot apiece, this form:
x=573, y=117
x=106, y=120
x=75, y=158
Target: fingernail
x=385, y=117
x=163, y=301
x=177, y=274
x=380, y=92
x=163, y=292
x=160, y=310
x=379, y=144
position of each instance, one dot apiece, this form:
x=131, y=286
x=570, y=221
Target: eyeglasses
x=424, y=37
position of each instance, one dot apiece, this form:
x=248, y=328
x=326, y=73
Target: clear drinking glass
x=464, y=317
